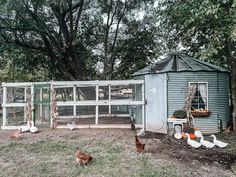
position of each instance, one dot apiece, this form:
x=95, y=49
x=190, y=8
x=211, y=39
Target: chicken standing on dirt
x=82, y=158
x=16, y=135
x=139, y=146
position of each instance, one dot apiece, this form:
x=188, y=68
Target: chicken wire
x=87, y=102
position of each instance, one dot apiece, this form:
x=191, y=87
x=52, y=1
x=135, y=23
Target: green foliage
x=66, y=40
x=137, y=53
x=17, y=65
x=203, y=27
x=180, y=114
x=47, y=38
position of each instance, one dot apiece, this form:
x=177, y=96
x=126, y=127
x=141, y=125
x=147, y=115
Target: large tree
x=72, y=38
x=207, y=28
x=119, y=16
x=50, y=29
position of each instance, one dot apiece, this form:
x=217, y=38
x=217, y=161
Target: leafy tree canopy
x=69, y=38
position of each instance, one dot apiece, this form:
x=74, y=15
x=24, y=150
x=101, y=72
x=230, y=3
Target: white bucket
x=178, y=128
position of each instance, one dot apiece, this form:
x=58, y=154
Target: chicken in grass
x=16, y=135
x=82, y=158
x=139, y=146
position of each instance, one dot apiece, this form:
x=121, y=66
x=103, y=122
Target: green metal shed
x=166, y=86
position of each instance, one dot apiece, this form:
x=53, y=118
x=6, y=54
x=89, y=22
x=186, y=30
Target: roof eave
x=212, y=71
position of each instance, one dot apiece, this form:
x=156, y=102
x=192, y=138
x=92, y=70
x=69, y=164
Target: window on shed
x=200, y=99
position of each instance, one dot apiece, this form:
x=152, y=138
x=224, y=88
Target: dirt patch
x=179, y=149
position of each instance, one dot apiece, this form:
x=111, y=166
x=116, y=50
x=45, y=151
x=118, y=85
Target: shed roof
x=179, y=62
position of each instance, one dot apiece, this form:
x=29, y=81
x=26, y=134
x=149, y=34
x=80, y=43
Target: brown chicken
x=82, y=158
x=16, y=135
x=139, y=146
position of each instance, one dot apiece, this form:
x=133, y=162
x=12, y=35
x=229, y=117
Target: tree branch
x=16, y=28
x=78, y=18
x=73, y=8
x=22, y=44
x=70, y=20
x=115, y=39
x=53, y=56
x=62, y=23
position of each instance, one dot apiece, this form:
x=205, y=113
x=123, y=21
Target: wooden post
x=4, y=109
x=32, y=104
x=54, y=109
x=51, y=105
x=97, y=92
x=25, y=99
x=143, y=108
x=74, y=99
x=41, y=104
x=28, y=109
x=109, y=98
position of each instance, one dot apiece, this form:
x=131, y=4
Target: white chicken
x=24, y=128
x=198, y=134
x=205, y=143
x=33, y=129
x=71, y=126
x=192, y=143
x=219, y=143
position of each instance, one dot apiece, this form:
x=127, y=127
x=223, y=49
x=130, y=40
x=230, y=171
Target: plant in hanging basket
x=181, y=114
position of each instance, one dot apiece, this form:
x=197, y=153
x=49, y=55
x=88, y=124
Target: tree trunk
x=233, y=89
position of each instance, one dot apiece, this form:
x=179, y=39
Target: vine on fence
x=54, y=110
x=28, y=109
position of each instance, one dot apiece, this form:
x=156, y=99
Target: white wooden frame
x=74, y=103
x=201, y=83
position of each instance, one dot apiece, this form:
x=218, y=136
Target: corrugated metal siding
x=218, y=97
x=207, y=125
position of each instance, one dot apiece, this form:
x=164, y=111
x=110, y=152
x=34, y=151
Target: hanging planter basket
x=201, y=113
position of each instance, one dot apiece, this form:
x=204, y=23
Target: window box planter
x=201, y=113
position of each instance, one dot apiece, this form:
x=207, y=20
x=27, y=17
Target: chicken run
x=58, y=104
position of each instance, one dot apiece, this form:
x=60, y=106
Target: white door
x=156, y=107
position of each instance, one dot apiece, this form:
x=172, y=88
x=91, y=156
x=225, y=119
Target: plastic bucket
x=178, y=128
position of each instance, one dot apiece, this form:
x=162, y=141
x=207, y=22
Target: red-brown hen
x=139, y=146
x=82, y=158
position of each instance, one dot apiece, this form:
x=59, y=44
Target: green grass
x=56, y=158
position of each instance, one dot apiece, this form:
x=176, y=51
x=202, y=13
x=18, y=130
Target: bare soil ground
x=51, y=153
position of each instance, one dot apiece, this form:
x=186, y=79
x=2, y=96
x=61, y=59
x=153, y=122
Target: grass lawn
x=52, y=153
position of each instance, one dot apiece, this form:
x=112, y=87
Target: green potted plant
x=181, y=114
